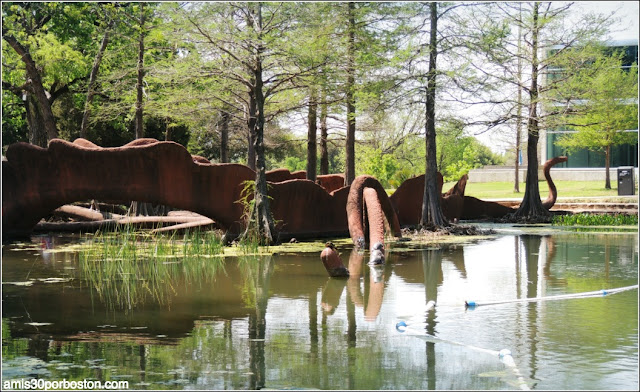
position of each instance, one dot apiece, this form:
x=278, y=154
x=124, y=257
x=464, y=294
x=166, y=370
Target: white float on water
x=503, y=355
x=590, y=294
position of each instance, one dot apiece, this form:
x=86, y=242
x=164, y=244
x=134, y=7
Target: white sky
x=626, y=10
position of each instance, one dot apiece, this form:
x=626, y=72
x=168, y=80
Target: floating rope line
x=418, y=318
x=590, y=294
x=503, y=355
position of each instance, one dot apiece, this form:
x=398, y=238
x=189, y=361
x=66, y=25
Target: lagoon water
x=279, y=322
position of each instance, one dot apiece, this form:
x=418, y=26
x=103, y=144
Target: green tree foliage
x=543, y=39
x=466, y=153
x=391, y=146
x=14, y=124
x=45, y=54
x=63, y=40
x=458, y=153
x=286, y=151
x=600, y=104
x=216, y=80
x=392, y=157
x=377, y=164
x=205, y=136
x=126, y=92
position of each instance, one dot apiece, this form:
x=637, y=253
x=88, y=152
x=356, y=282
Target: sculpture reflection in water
x=374, y=283
x=373, y=287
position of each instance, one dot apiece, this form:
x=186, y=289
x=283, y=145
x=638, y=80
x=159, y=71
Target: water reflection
x=433, y=277
x=280, y=322
x=355, y=274
x=256, y=272
x=376, y=292
x=331, y=294
x=373, y=284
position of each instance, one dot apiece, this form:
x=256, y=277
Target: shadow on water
x=279, y=322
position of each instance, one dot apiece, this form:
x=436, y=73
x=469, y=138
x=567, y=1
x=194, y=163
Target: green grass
x=566, y=189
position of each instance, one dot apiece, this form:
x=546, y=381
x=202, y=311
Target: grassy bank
x=566, y=189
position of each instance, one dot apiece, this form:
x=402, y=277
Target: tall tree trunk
x=37, y=131
x=324, y=150
x=92, y=82
x=252, y=113
x=139, y=124
x=251, y=153
x=432, y=215
x=607, y=166
x=350, y=164
x=140, y=208
x=516, y=184
x=260, y=222
x=531, y=207
x=35, y=87
x=223, y=127
x=312, y=145
x=167, y=129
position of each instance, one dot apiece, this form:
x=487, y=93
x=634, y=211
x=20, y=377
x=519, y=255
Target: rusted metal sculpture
x=379, y=203
x=332, y=261
x=407, y=202
x=36, y=181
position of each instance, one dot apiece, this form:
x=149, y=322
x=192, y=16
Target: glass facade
x=621, y=155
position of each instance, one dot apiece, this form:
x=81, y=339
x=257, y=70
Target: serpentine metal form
x=367, y=206
x=36, y=181
x=332, y=262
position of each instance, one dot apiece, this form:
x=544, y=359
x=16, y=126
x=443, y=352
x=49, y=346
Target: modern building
x=621, y=155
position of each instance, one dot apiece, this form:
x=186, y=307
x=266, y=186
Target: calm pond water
x=279, y=322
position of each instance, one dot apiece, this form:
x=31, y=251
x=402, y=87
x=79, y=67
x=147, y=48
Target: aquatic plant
x=128, y=267
x=252, y=238
x=586, y=219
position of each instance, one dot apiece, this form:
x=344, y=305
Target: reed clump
x=127, y=243
x=127, y=268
